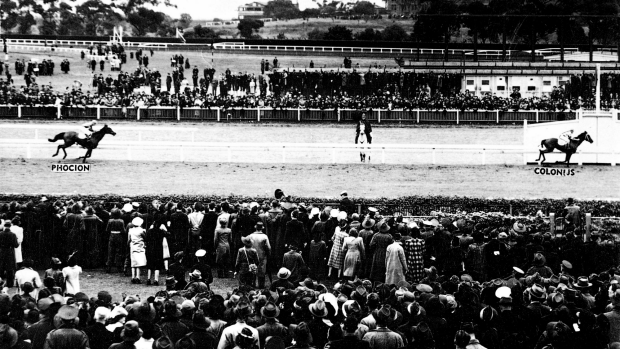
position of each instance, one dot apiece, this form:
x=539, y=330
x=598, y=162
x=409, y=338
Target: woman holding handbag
x=247, y=263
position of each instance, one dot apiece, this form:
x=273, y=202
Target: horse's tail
x=58, y=136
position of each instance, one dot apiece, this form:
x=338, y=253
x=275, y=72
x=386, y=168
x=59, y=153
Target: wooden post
x=552, y=223
x=178, y=113
x=218, y=114
x=258, y=114
x=19, y=111
x=138, y=113
x=338, y=115
x=537, y=116
x=378, y=116
x=299, y=114
x=98, y=112
x=418, y=116
x=588, y=226
x=457, y=116
x=497, y=116
x=58, y=112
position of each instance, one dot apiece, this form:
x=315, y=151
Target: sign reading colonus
x=603, y=127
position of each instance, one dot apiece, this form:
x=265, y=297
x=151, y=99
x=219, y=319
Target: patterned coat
x=378, y=245
x=414, y=254
x=336, y=256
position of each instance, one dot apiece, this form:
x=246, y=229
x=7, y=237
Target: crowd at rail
x=308, y=277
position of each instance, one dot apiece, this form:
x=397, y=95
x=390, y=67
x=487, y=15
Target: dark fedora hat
x=270, y=310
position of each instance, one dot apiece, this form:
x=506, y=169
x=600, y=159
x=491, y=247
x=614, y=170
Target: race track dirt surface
x=361, y=180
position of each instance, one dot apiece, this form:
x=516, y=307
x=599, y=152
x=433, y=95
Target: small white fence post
x=418, y=116
x=497, y=116
x=537, y=118
x=19, y=111
x=257, y=114
x=299, y=114
x=458, y=116
x=378, y=116
x=338, y=115
x=138, y=113
x=58, y=112
x=98, y=112
x=178, y=113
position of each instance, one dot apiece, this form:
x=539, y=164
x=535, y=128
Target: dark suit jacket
x=368, y=128
x=349, y=342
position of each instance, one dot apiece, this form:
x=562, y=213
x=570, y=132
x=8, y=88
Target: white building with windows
x=527, y=85
x=252, y=10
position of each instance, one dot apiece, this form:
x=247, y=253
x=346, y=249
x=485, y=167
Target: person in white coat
x=16, y=228
x=395, y=262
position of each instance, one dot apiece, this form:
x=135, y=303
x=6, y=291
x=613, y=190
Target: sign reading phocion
x=544, y=171
x=71, y=168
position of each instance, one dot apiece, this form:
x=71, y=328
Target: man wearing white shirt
x=26, y=274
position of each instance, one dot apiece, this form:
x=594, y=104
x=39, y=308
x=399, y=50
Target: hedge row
x=407, y=205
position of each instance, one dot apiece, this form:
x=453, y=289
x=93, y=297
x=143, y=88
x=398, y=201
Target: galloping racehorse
x=71, y=138
x=570, y=148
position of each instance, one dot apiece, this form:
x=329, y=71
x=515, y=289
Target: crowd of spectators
x=343, y=279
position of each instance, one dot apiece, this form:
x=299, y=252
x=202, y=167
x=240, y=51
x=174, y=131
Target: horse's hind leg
x=57, y=150
x=64, y=151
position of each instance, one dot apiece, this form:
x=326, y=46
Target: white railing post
x=524, y=141
x=338, y=115
x=19, y=111
x=537, y=120
x=418, y=116
x=257, y=114
x=378, y=116
x=497, y=116
x=178, y=113
x=299, y=114
x=58, y=112
x=457, y=116
x=98, y=112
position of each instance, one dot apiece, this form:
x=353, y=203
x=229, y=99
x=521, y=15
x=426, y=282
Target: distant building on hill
x=402, y=7
x=252, y=10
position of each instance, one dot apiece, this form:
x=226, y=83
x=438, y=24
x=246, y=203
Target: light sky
x=223, y=9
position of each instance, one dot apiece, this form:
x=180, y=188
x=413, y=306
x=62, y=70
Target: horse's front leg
x=87, y=155
x=568, y=156
x=64, y=151
x=57, y=150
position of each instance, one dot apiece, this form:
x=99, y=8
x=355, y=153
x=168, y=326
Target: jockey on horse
x=565, y=139
x=85, y=134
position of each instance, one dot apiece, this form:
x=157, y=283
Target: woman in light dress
x=354, y=254
x=136, y=235
x=336, y=256
x=221, y=241
x=19, y=233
